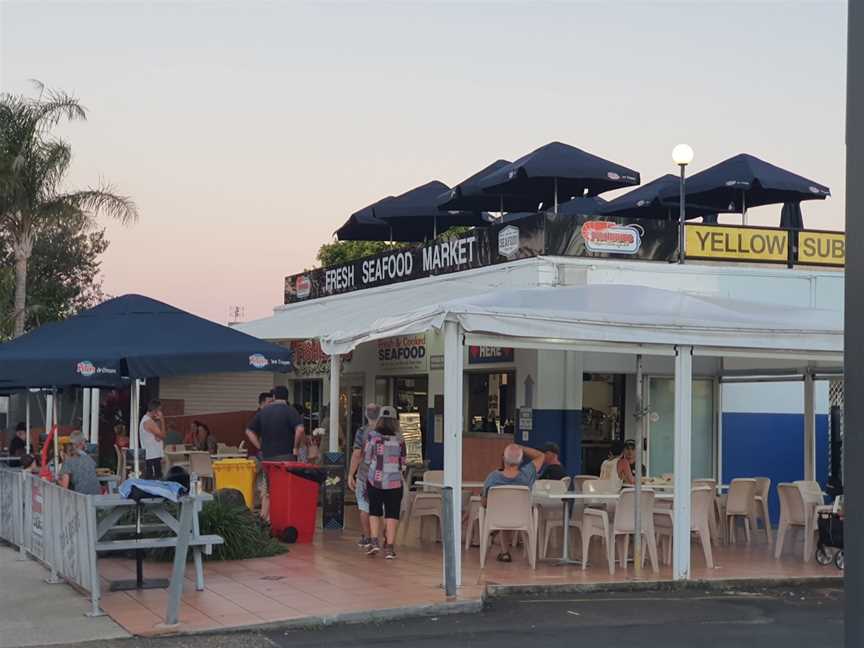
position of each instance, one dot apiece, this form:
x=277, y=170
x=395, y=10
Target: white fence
x=54, y=525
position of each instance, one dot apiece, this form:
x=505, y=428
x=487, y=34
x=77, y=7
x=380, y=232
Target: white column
x=335, y=367
x=49, y=411
x=453, y=367
x=809, y=427
x=683, y=421
x=27, y=419
x=94, y=415
x=85, y=413
x=134, y=441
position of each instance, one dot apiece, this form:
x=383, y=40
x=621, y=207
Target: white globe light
x=682, y=155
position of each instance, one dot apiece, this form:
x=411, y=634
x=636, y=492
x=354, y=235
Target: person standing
x=359, y=471
x=386, y=456
x=18, y=445
x=151, y=432
x=277, y=431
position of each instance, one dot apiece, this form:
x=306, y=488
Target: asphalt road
x=767, y=619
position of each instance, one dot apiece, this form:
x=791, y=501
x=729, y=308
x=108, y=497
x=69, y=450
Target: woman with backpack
x=385, y=455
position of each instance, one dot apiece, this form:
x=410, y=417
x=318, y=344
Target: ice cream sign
x=612, y=238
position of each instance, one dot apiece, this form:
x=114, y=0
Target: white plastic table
x=567, y=500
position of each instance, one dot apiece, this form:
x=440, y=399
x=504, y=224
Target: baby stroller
x=830, y=537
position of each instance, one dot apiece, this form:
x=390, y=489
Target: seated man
x=627, y=464
x=18, y=445
x=552, y=468
x=78, y=472
x=513, y=474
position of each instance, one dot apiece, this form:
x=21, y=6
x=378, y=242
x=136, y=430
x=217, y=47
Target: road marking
x=634, y=599
x=573, y=613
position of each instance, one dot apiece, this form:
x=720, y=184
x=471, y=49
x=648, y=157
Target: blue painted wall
x=771, y=445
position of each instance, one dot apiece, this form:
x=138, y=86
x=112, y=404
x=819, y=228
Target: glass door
x=351, y=409
x=661, y=427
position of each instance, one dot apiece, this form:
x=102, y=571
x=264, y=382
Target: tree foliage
x=63, y=276
x=338, y=252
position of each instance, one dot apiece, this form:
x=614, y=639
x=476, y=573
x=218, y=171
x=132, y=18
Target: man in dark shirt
x=277, y=430
x=552, y=468
x=18, y=445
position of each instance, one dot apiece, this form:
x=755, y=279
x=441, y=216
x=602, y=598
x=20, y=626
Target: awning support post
x=335, y=368
x=682, y=459
x=809, y=427
x=640, y=436
x=453, y=362
x=135, y=441
x=27, y=419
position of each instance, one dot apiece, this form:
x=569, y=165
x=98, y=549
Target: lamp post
x=682, y=155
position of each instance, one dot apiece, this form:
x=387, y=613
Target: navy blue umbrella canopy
x=647, y=201
x=132, y=337
x=745, y=181
x=557, y=172
x=416, y=212
x=362, y=225
x=585, y=206
x=469, y=195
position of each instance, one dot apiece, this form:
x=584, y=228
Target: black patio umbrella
x=362, y=225
x=416, y=213
x=557, y=172
x=647, y=202
x=745, y=181
x=791, y=216
x=469, y=195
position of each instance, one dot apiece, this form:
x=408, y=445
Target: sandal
x=505, y=557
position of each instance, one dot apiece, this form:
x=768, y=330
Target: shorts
x=386, y=503
x=153, y=469
x=264, y=482
x=362, y=495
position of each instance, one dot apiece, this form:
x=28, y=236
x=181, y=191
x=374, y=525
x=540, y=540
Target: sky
x=247, y=132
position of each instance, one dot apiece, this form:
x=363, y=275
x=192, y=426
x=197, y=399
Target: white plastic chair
x=427, y=503
x=623, y=526
x=550, y=513
x=578, y=480
x=760, y=506
x=715, y=515
x=701, y=511
x=739, y=504
x=793, y=514
x=508, y=508
x=201, y=464
x=474, y=506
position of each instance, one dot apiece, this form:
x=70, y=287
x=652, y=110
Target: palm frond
x=103, y=201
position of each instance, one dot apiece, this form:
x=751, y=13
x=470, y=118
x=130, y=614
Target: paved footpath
x=790, y=618
x=33, y=613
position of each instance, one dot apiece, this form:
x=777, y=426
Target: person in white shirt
x=151, y=433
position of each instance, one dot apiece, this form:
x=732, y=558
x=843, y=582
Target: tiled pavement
x=332, y=577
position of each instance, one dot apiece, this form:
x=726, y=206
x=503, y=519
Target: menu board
x=409, y=423
x=333, y=495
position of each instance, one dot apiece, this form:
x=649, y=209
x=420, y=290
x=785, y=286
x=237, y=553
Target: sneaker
x=363, y=542
x=374, y=548
x=389, y=552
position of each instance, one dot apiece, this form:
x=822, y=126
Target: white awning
x=620, y=314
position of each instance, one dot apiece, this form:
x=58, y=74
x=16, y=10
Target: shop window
x=491, y=402
x=307, y=399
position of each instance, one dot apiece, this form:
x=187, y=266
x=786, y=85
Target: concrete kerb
x=495, y=591
x=346, y=618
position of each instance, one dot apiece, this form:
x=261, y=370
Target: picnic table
x=465, y=485
x=115, y=506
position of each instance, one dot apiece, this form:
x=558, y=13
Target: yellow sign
x=822, y=248
x=737, y=243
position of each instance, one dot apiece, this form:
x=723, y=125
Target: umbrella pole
x=555, y=204
x=743, y=207
x=56, y=425
x=435, y=227
x=27, y=419
x=501, y=202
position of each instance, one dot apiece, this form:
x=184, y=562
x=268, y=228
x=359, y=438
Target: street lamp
x=682, y=155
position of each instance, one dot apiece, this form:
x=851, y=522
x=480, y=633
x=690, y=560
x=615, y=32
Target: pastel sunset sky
x=247, y=132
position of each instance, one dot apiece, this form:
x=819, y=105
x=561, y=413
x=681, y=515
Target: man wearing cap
x=552, y=468
x=359, y=470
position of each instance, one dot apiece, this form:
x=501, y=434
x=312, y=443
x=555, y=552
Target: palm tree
x=33, y=164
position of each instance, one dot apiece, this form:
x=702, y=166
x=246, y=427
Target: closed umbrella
x=745, y=181
x=557, y=171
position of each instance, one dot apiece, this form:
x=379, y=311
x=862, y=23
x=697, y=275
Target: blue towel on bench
x=167, y=490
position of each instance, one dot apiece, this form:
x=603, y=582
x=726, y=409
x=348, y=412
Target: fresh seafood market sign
x=529, y=236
